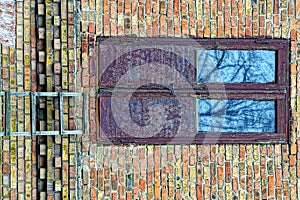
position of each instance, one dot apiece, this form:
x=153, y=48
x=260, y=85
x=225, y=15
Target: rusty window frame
x=277, y=91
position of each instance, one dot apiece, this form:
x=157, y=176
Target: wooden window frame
x=277, y=91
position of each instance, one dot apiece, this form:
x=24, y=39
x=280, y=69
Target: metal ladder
x=33, y=102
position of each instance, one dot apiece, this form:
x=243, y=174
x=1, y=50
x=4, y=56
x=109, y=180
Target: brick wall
x=54, y=51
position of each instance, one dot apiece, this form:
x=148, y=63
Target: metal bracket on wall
x=33, y=112
x=3, y=94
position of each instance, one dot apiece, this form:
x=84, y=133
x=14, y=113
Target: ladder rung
x=19, y=93
x=47, y=94
x=72, y=132
x=20, y=133
x=47, y=133
x=71, y=94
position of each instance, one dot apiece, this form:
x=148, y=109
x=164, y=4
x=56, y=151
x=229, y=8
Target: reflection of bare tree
x=240, y=116
x=235, y=66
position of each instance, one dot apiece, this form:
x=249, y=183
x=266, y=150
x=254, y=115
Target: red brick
x=227, y=172
x=276, y=6
x=293, y=146
x=293, y=34
x=92, y=27
x=50, y=197
x=157, y=189
x=271, y=186
x=199, y=191
x=114, y=196
x=292, y=160
x=106, y=20
x=57, y=162
x=220, y=172
x=5, y=156
x=176, y=7
x=142, y=184
x=141, y=13
x=134, y=8
x=248, y=32
x=129, y=195
x=93, y=192
x=5, y=169
x=113, y=10
x=206, y=32
x=261, y=32
x=148, y=7
x=284, y=153
x=235, y=185
x=291, y=8
x=106, y=6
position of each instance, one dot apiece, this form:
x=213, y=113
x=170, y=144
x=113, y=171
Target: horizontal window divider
x=47, y=94
x=261, y=90
x=131, y=90
x=246, y=96
x=196, y=86
x=55, y=94
x=241, y=86
x=250, y=91
x=206, y=95
x=204, y=90
x=202, y=138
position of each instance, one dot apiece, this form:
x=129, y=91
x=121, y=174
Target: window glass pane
x=235, y=66
x=236, y=116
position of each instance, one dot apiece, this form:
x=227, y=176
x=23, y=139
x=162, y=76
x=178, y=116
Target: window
x=166, y=90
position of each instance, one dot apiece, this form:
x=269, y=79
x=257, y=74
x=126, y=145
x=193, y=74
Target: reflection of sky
x=238, y=116
x=236, y=66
